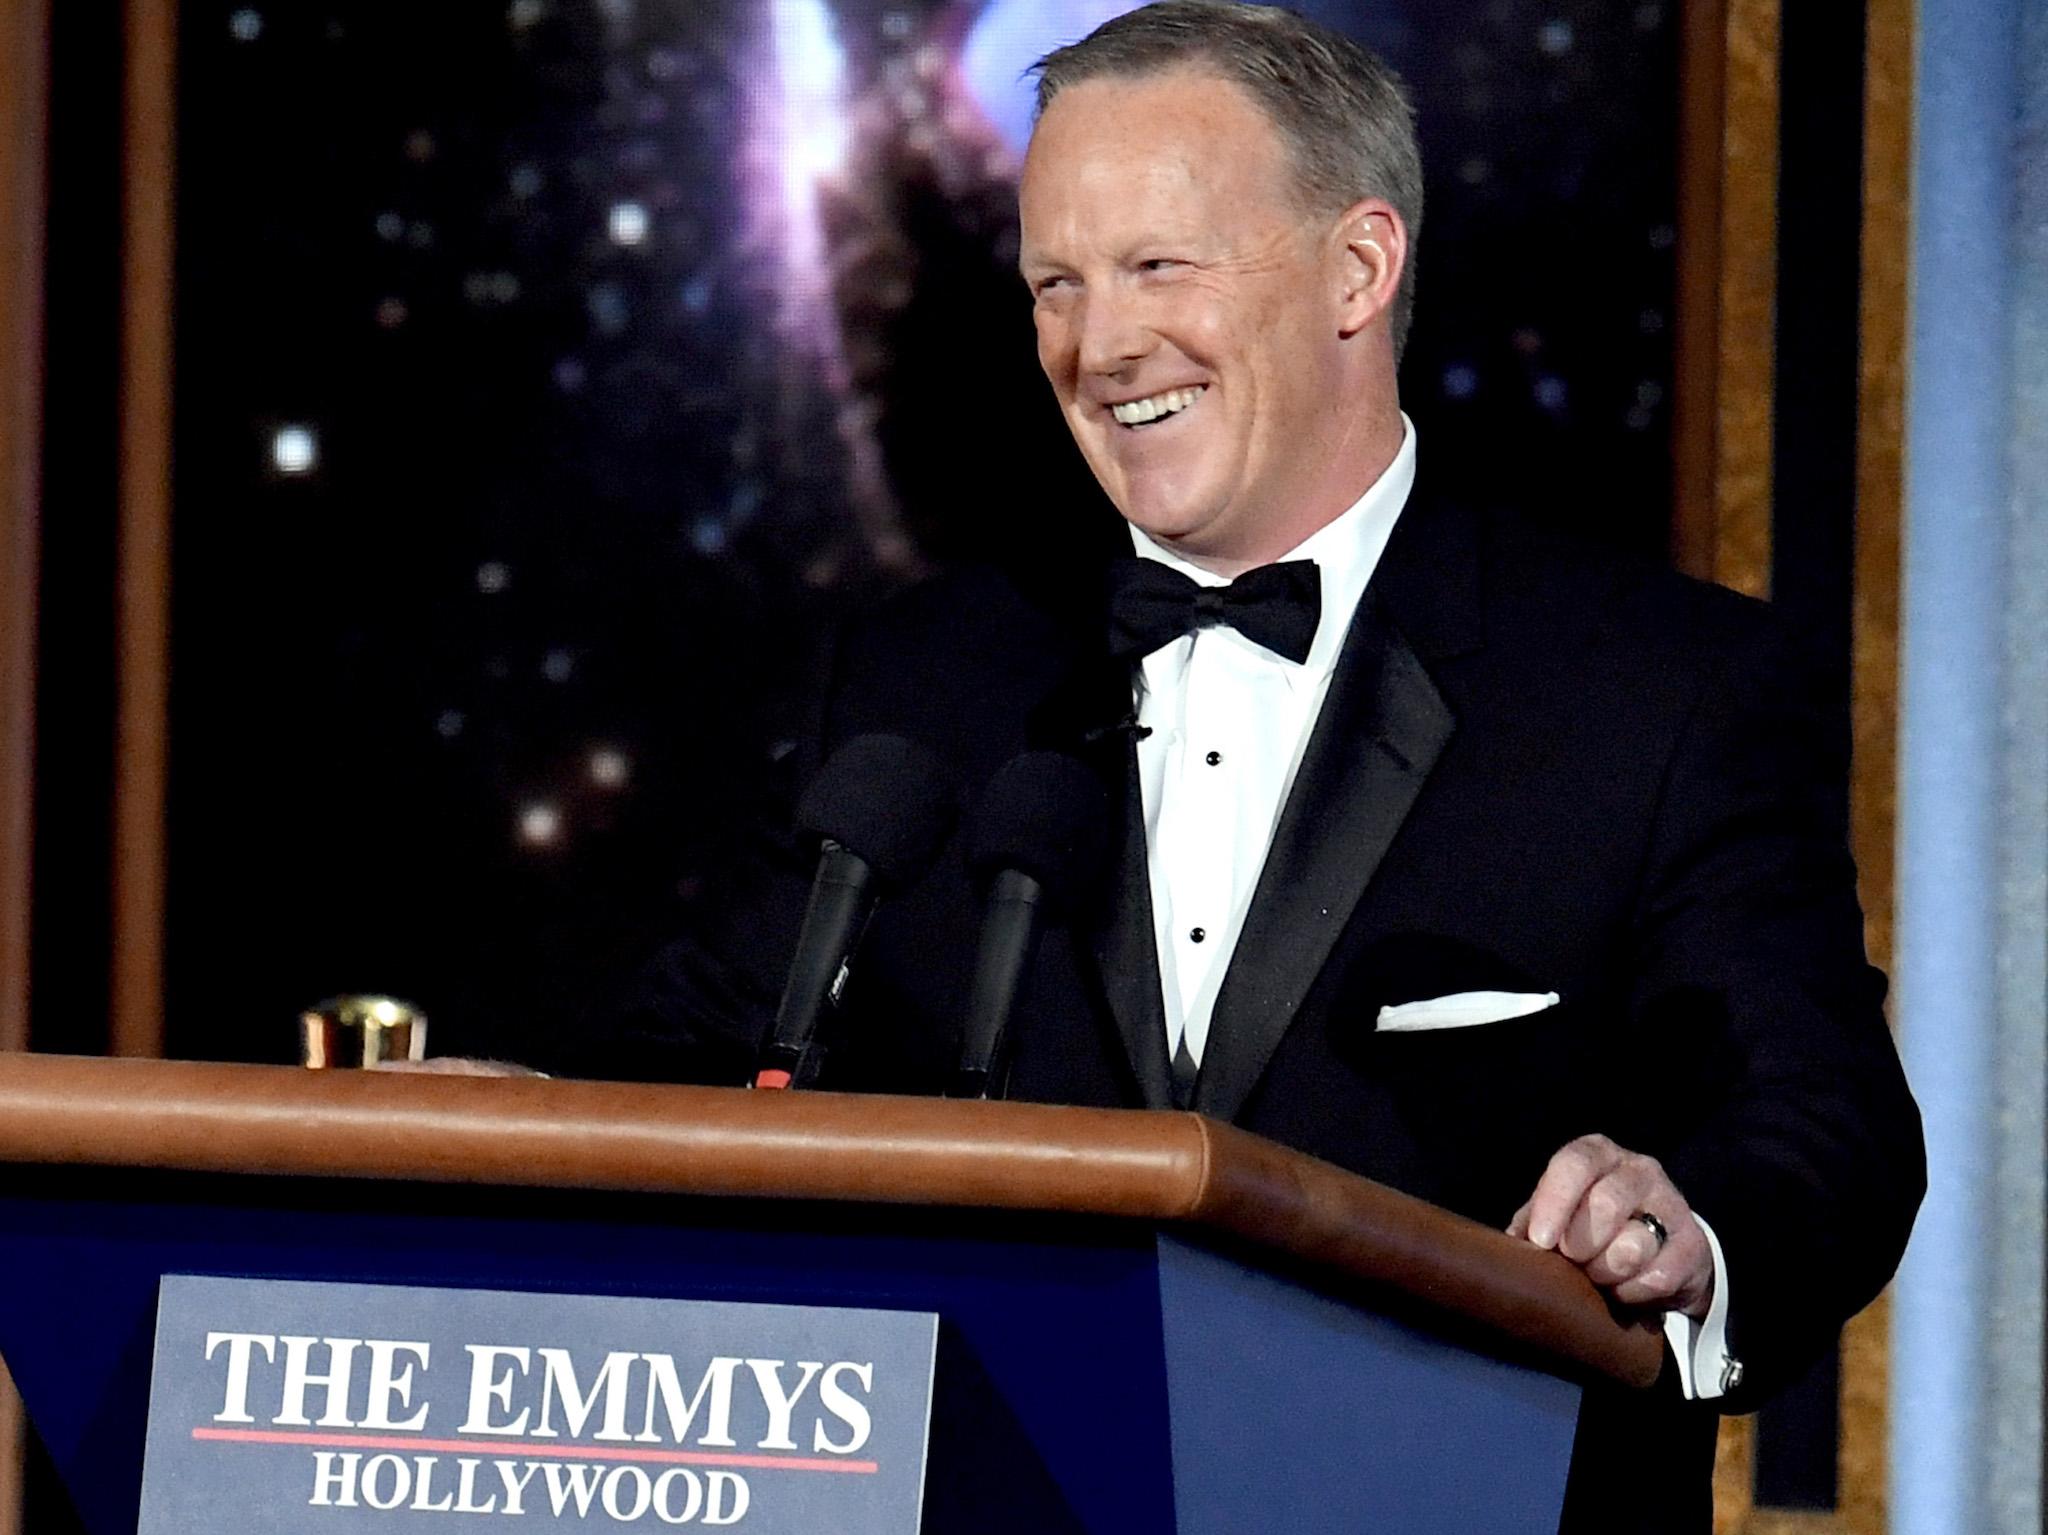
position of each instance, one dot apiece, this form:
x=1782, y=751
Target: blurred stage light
x=627, y=224
x=610, y=768
x=540, y=824
x=294, y=450
x=609, y=311
x=486, y=288
x=245, y=25
x=799, y=126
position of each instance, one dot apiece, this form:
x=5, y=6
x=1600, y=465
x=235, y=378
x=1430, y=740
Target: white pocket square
x=1463, y=1010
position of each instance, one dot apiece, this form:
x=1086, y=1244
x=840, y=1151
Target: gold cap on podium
x=361, y=1031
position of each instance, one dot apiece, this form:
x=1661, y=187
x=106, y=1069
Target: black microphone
x=1039, y=836
x=884, y=806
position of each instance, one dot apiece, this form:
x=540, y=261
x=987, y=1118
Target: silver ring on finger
x=1656, y=1226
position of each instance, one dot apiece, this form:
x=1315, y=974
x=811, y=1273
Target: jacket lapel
x=1383, y=725
x=1127, y=949
x=1091, y=715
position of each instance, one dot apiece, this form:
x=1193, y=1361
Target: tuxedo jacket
x=1537, y=769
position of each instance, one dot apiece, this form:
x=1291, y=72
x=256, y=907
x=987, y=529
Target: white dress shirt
x=1229, y=721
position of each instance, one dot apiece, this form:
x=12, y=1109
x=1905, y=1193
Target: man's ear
x=1372, y=251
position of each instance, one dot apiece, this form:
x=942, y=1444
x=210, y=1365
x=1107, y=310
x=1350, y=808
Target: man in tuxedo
x=1492, y=868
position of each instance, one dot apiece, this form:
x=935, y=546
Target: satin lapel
x=1090, y=715
x=1128, y=951
x=1382, y=728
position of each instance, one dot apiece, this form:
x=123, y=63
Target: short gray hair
x=1343, y=114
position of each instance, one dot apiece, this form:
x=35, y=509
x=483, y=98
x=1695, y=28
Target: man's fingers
x=1631, y=1255
x=1609, y=1207
x=1574, y=1170
x=1586, y=1206
x=1680, y=1278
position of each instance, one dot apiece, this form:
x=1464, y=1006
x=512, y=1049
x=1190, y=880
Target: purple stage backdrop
x=553, y=373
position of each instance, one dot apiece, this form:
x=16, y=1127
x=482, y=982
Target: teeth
x=1138, y=412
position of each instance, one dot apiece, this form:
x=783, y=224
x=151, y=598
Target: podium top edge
x=1144, y=1165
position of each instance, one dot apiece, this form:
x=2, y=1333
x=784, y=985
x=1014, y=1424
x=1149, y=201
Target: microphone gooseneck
x=882, y=808
x=1038, y=837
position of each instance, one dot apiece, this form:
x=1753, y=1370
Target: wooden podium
x=1150, y=1322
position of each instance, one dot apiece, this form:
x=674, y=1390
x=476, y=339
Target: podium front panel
x=1094, y=1378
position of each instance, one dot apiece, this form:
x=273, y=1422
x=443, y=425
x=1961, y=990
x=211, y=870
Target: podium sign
x=281, y=1405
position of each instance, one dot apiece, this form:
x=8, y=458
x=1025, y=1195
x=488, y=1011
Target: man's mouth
x=1155, y=408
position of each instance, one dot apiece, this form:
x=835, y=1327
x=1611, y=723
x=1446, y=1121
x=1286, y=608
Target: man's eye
x=1046, y=285
x=1158, y=264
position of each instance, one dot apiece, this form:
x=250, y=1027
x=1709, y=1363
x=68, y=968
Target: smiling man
x=1218, y=206
x=1497, y=869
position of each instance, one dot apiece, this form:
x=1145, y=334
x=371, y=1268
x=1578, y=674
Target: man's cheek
x=1055, y=347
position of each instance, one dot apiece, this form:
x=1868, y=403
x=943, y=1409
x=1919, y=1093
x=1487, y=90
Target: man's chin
x=1176, y=527
x=1191, y=535
x=1166, y=534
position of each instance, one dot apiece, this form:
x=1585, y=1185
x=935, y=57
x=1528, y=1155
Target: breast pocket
x=1486, y=1104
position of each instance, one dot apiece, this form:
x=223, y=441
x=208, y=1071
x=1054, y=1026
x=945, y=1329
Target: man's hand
x=457, y=1066
x=1585, y=1206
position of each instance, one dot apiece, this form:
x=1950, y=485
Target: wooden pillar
x=142, y=600
x=1727, y=285
x=1874, y=701
x=24, y=65
x=24, y=119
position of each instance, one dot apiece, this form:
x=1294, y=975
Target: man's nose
x=1113, y=334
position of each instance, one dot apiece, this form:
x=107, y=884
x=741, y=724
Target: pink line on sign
x=508, y=1449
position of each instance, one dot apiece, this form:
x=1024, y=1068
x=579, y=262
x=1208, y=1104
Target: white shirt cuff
x=1700, y=1348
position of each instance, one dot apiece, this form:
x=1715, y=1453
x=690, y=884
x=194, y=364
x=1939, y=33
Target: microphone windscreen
x=1043, y=814
x=888, y=800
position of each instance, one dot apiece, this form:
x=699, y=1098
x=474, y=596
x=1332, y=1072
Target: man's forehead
x=1161, y=144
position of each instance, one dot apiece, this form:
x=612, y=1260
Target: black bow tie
x=1150, y=605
